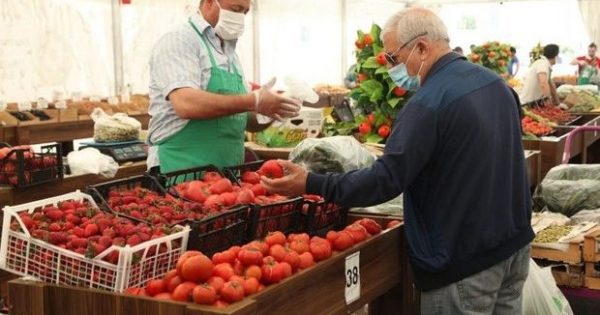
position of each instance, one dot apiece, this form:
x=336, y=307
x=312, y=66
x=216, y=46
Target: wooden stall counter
x=12, y=196
x=318, y=290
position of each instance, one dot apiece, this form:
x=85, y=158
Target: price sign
x=352, y=274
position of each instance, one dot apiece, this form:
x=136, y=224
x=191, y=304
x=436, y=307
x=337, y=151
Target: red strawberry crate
x=142, y=198
x=22, y=167
x=220, y=231
x=318, y=216
x=280, y=216
x=24, y=254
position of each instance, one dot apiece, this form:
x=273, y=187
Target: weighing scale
x=122, y=152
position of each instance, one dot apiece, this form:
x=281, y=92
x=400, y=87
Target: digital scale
x=122, y=152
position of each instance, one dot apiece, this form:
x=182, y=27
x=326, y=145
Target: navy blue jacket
x=455, y=151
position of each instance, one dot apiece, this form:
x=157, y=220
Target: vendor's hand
x=275, y=105
x=292, y=184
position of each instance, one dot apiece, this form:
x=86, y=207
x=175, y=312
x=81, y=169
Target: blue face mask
x=400, y=76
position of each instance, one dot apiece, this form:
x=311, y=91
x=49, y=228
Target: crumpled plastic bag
x=116, y=128
x=567, y=189
x=541, y=296
x=338, y=154
x=587, y=216
x=91, y=161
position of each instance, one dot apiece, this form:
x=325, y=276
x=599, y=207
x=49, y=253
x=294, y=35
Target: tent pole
x=117, y=46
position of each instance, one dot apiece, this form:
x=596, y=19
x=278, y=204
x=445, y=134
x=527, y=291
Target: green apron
x=217, y=141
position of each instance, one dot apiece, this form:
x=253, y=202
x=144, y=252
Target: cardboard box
x=308, y=124
x=67, y=114
x=7, y=120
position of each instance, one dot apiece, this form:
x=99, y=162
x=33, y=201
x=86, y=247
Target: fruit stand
x=318, y=290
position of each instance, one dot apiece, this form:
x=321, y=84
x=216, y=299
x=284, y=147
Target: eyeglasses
x=391, y=58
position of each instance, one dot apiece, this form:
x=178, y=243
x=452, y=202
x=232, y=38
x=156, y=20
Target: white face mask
x=230, y=25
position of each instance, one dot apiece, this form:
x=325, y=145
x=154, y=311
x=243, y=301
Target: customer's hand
x=292, y=184
x=274, y=105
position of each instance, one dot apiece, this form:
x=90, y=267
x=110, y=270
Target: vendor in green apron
x=199, y=102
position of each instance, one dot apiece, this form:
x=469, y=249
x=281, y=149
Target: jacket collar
x=442, y=62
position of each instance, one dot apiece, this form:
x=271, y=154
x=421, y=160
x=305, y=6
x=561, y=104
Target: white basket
x=22, y=254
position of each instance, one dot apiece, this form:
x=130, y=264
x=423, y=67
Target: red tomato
x=223, y=270
x=204, y=294
x=246, y=196
x=292, y=258
x=250, y=286
x=250, y=256
x=173, y=283
x=183, y=292
x=220, y=304
x=381, y=59
x=271, y=273
x=306, y=260
x=235, y=250
x=278, y=252
x=358, y=232
x=172, y=273
x=331, y=236
x=226, y=256
x=271, y=169
x=364, y=128
x=258, y=190
x=163, y=296
x=384, y=131
x=320, y=250
x=275, y=238
x=343, y=241
x=184, y=257
x=287, y=269
x=368, y=40
x=371, y=226
x=197, y=268
x=360, y=44
x=302, y=236
x=250, y=177
x=260, y=245
x=299, y=246
x=221, y=186
x=154, y=287
x=211, y=177
x=253, y=272
x=216, y=282
x=238, y=267
x=393, y=223
x=371, y=119
x=232, y=291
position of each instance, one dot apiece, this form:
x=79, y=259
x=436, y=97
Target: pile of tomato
x=533, y=127
x=240, y=271
x=553, y=114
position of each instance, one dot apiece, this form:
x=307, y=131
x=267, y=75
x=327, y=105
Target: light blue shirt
x=179, y=59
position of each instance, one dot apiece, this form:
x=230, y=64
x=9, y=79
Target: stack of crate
x=591, y=258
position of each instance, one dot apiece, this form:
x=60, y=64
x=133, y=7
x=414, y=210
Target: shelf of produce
x=533, y=159
x=11, y=196
x=318, y=290
x=56, y=132
x=551, y=148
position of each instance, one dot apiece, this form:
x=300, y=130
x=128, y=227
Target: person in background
x=514, y=62
x=467, y=224
x=458, y=50
x=199, y=103
x=587, y=66
x=538, y=87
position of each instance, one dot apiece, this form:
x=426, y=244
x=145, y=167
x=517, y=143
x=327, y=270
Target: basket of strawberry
x=21, y=166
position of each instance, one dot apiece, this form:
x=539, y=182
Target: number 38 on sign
x=352, y=274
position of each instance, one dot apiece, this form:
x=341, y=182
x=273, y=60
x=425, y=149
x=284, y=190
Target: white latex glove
x=273, y=105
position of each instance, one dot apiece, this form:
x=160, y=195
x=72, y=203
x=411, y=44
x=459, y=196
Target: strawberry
x=91, y=229
x=79, y=232
x=119, y=241
x=79, y=242
x=72, y=218
x=105, y=241
x=55, y=215
x=134, y=240
x=271, y=169
x=56, y=238
x=55, y=227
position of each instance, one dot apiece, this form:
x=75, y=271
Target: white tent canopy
x=97, y=46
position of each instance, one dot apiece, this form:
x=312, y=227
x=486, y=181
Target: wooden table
x=12, y=196
x=533, y=159
x=318, y=290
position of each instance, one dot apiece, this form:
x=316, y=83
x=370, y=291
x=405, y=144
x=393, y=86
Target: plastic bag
x=541, y=296
x=116, y=128
x=91, y=161
x=569, y=188
x=587, y=216
x=338, y=154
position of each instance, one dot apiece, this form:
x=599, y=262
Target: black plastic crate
x=171, y=179
x=282, y=216
x=25, y=168
x=101, y=192
x=235, y=172
x=220, y=231
x=318, y=217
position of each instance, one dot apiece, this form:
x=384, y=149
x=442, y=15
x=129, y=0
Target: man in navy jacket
x=455, y=151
